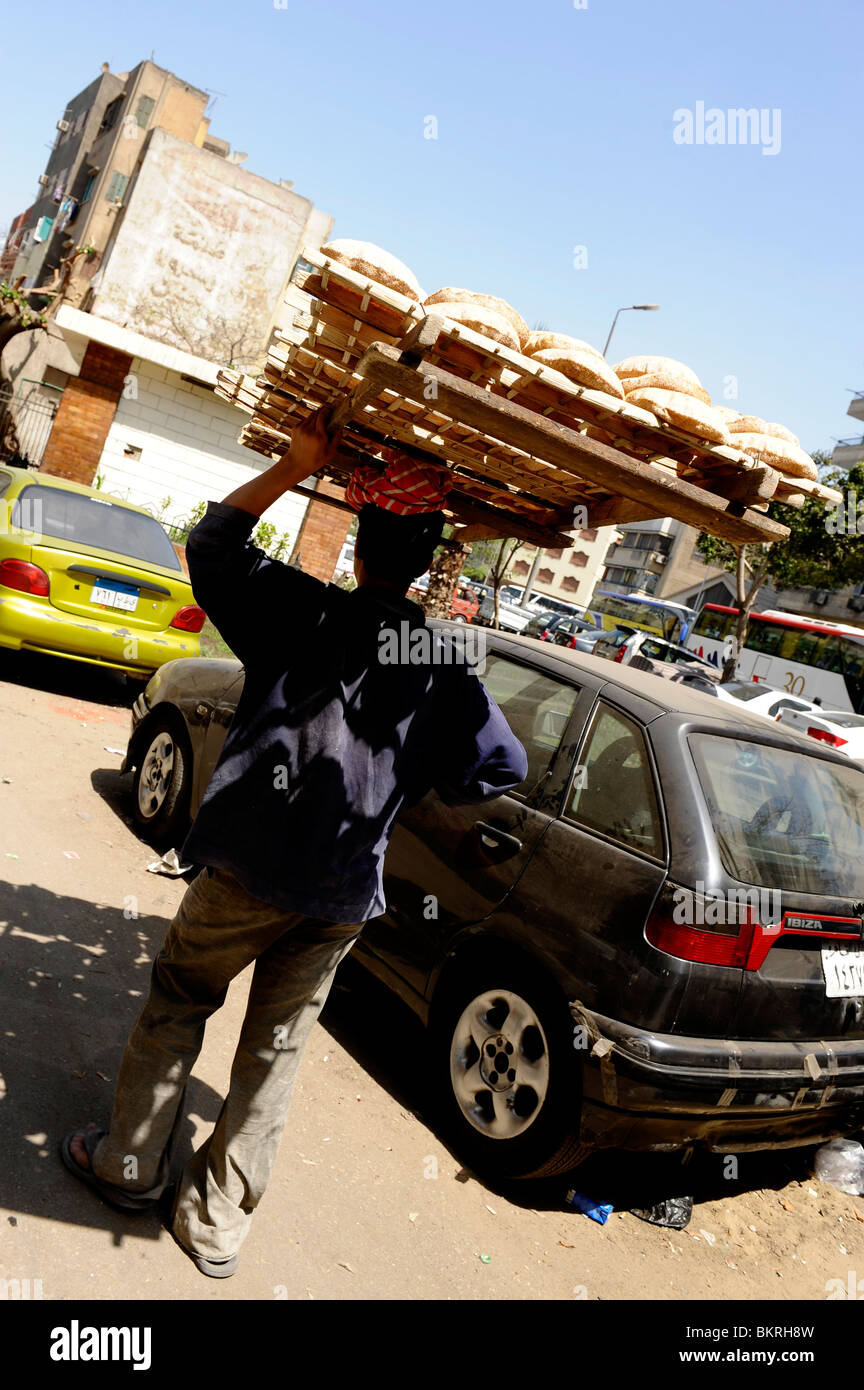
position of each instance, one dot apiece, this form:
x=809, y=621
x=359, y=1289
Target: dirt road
x=366, y=1201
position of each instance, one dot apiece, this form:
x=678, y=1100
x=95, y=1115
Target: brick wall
x=322, y=535
x=84, y=418
x=173, y=444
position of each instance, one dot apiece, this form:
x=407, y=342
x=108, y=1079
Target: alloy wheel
x=499, y=1064
x=157, y=771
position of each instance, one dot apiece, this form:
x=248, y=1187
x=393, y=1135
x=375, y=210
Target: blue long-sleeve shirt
x=329, y=738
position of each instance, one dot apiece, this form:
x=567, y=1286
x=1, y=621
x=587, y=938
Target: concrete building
x=193, y=257
x=569, y=574
x=16, y=234
x=848, y=452
x=659, y=558
x=97, y=145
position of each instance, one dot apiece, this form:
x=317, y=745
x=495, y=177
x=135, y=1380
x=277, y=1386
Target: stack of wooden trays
x=532, y=453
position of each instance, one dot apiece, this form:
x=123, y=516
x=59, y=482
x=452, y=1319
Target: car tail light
x=20, y=574
x=744, y=943
x=190, y=619
x=824, y=737
x=619, y=655
x=710, y=946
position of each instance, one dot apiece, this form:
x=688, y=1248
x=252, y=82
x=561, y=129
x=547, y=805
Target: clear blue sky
x=555, y=130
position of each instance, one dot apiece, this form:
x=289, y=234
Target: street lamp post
x=621, y=311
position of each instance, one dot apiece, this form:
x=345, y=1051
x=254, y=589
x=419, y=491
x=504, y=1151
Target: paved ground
x=366, y=1201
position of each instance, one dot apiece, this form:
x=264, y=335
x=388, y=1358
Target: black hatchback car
x=654, y=942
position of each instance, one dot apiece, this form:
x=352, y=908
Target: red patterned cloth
x=403, y=486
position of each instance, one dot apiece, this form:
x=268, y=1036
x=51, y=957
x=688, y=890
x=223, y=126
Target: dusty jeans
x=219, y=929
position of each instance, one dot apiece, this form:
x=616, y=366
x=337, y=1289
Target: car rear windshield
x=751, y=691
x=841, y=719
x=76, y=519
x=782, y=818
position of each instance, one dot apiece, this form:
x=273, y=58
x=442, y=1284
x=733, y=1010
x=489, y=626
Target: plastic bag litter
x=598, y=1211
x=674, y=1212
x=841, y=1163
x=169, y=864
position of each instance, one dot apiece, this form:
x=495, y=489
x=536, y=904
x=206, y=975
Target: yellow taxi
x=88, y=577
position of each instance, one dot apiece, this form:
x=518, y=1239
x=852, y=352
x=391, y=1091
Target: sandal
x=108, y=1193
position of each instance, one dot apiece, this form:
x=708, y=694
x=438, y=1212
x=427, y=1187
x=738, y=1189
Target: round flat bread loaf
x=654, y=366
x=370, y=260
x=752, y=424
x=686, y=412
x=585, y=368
x=485, y=301
x=539, y=340
x=727, y=411
x=486, y=321
x=666, y=381
x=778, y=453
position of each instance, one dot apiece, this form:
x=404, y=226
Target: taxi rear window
x=76, y=519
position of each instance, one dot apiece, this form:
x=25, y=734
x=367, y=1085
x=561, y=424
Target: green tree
x=822, y=552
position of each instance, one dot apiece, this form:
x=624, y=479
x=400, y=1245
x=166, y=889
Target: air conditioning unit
x=820, y=597
x=44, y=180
x=63, y=127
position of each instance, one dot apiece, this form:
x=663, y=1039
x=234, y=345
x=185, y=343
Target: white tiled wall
x=189, y=449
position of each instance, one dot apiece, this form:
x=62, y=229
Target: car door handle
x=491, y=835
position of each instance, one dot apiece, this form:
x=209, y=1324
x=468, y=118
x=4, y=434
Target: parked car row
x=570, y=1003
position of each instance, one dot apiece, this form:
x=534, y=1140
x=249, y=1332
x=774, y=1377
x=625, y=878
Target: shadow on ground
x=73, y=979
x=75, y=679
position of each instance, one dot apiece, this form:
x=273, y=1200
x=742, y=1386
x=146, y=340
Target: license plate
x=113, y=595
x=843, y=968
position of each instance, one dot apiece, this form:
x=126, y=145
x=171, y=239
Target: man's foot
x=77, y=1149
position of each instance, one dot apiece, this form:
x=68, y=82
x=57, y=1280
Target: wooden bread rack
x=533, y=455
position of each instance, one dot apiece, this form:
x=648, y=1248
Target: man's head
x=392, y=549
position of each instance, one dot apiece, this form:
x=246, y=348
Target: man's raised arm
x=242, y=590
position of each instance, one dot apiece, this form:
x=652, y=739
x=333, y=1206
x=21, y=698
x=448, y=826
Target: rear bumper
x=656, y=1090
x=33, y=625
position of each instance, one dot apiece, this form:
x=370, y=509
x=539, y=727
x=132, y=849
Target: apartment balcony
x=856, y=407
x=634, y=556
x=847, y=452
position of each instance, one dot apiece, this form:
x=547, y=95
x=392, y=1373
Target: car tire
x=162, y=779
x=537, y=1115
x=460, y=618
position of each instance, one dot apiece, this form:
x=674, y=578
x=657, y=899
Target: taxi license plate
x=113, y=595
x=843, y=968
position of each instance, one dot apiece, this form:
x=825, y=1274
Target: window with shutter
x=116, y=187
x=144, y=110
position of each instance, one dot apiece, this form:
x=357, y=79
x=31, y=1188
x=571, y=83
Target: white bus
x=804, y=656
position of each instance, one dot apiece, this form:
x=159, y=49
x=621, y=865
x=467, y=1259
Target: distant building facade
x=193, y=256
x=570, y=573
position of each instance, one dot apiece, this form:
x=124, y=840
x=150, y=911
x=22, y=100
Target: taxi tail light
x=619, y=655
x=21, y=575
x=825, y=737
x=189, y=619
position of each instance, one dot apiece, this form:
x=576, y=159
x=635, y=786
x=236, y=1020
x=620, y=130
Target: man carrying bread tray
x=327, y=742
